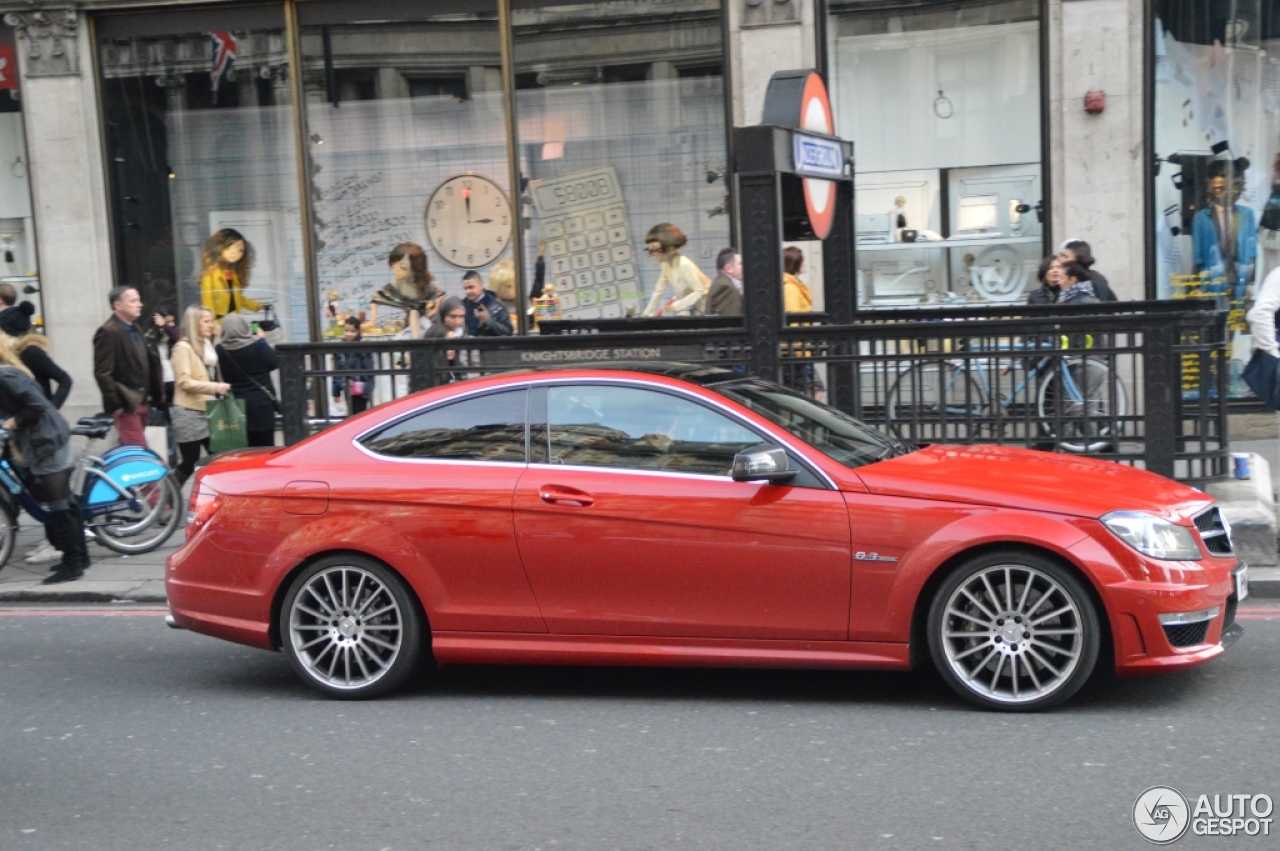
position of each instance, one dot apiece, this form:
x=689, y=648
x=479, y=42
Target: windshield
x=837, y=435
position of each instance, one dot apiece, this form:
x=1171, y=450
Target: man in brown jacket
x=724, y=298
x=127, y=367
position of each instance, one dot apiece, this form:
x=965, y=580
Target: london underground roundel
x=815, y=115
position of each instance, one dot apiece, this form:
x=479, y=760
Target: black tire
x=133, y=532
x=351, y=628
x=8, y=533
x=1014, y=631
x=933, y=402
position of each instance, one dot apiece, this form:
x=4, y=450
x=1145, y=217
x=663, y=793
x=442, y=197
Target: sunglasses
x=653, y=249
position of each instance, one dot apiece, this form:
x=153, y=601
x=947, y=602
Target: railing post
x=293, y=394
x=840, y=292
x=1162, y=395
x=422, y=367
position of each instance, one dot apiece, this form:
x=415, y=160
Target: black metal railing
x=1142, y=383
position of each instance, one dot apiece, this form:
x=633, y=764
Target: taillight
x=204, y=502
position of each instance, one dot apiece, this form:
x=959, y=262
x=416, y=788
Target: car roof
x=694, y=373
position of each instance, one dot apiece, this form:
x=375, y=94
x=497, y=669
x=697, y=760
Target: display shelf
x=949, y=243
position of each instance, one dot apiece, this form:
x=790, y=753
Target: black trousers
x=62, y=526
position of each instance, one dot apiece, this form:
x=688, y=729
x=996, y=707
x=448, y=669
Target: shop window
x=614, y=139
x=405, y=117
x=943, y=103
x=200, y=141
x=1217, y=155
x=19, y=266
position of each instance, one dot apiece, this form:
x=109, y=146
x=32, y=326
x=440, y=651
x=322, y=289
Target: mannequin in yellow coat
x=687, y=282
x=228, y=257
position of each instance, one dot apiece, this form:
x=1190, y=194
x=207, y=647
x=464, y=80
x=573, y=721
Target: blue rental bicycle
x=127, y=497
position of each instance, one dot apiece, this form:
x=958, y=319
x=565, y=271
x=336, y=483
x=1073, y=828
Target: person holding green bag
x=193, y=358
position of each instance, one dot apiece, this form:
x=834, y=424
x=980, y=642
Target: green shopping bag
x=226, y=424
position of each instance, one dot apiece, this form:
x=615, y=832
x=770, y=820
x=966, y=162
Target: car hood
x=1026, y=479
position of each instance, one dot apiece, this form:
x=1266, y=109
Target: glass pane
x=201, y=155
x=19, y=265
x=601, y=426
x=486, y=428
x=621, y=112
x=408, y=148
x=1217, y=176
x=942, y=101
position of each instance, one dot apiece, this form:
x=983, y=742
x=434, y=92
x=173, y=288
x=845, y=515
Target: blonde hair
x=191, y=325
x=502, y=280
x=9, y=354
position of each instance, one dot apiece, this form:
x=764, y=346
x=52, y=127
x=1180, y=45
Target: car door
x=629, y=523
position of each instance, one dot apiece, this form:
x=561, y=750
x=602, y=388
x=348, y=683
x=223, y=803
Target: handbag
x=228, y=428
x=1260, y=374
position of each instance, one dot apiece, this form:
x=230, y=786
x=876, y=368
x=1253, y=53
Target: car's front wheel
x=1014, y=631
x=351, y=628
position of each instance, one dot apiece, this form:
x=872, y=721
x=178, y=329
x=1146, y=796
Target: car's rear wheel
x=1014, y=631
x=351, y=628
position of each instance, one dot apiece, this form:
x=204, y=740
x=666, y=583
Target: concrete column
x=68, y=187
x=391, y=84
x=1096, y=160
x=765, y=37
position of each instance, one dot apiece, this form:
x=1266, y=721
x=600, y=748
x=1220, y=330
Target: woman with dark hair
x=411, y=288
x=359, y=387
x=1079, y=251
x=452, y=325
x=228, y=259
x=796, y=296
x=246, y=361
x=33, y=349
x=1076, y=285
x=1050, y=276
x=688, y=284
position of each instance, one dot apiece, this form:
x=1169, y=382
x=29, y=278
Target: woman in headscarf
x=246, y=361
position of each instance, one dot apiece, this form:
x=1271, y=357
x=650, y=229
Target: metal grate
x=1213, y=531
x=1187, y=634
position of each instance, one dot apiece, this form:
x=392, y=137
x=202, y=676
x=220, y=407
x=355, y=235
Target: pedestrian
x=452, y=325
x=1077, y=288
x=43, y=439
x=164, y=335
x=724, y=298
x=246, y=360
x=33, y=349
x=1262, y=316
x=1050, y=276
x=126, y=367
x=796, y=297
x=195, y=363
x=688, y=285
x=8, y=295
x=359, y=388
x=228, y=260
x=485, y=315
x=1079, y=251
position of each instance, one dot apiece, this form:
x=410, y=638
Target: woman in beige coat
x=193, y=357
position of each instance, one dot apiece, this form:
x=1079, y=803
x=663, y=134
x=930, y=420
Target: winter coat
x=40, y=432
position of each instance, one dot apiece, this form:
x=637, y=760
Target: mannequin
x=687, y=282
x=228, y=258
x=1224, y=233
x=411, y=289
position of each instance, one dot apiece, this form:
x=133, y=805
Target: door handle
x=553, y=495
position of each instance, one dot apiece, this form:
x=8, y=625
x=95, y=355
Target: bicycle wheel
x=933, y=402
x=8, y=532
x=132, y=531
x=1082, y=415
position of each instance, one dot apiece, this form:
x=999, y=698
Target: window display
x=943, y=103
x=19, y=267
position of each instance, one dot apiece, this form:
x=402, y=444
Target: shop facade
x=325, y=132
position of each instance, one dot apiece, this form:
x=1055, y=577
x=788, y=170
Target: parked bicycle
x=1077, y=399
x=127, y=497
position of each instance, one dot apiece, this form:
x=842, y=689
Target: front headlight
x=1153, y=536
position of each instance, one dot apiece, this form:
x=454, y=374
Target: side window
x=628, y=427
x=482, y=428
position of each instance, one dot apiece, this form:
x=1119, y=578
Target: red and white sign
x=8, y=67
x=815, y=115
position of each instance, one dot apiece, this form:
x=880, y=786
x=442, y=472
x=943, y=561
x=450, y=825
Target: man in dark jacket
x=127, y=368
x=724, y=298
x=486, y=317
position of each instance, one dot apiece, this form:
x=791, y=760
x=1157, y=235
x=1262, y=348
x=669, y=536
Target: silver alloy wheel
x=346, y=627
x=1012, y=634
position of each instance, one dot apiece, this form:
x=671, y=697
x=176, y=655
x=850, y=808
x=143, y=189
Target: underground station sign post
x=794, y=182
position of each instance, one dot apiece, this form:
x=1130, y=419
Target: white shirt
x=1262, y=316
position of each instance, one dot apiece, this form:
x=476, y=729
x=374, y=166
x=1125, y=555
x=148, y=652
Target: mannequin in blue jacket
x=1224, y=234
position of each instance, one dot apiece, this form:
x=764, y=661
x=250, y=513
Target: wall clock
x=468, y=221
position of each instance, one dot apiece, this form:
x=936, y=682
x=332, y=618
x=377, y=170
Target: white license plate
x=1242, y=583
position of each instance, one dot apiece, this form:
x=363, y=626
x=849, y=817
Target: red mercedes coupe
x=686, y=515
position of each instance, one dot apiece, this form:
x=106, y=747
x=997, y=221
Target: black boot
x=66, y=533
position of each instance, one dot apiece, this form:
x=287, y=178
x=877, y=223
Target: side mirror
x=764, y=462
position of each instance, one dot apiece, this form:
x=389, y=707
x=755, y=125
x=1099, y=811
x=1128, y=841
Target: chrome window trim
x=1180, y=618
x=788, y=444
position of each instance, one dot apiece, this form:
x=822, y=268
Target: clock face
x=468, y=221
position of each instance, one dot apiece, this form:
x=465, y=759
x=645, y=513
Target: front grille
x=1187, y=634
x=1213, y=531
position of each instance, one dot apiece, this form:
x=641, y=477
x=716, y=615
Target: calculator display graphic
x=589, y=256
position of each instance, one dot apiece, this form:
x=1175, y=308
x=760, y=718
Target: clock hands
x=466, y=197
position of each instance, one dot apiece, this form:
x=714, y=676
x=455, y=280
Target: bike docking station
x=794, y=181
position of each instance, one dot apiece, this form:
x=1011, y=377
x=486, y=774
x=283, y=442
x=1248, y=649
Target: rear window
x=479, y=428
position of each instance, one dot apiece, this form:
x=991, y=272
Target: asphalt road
x=118, y=733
